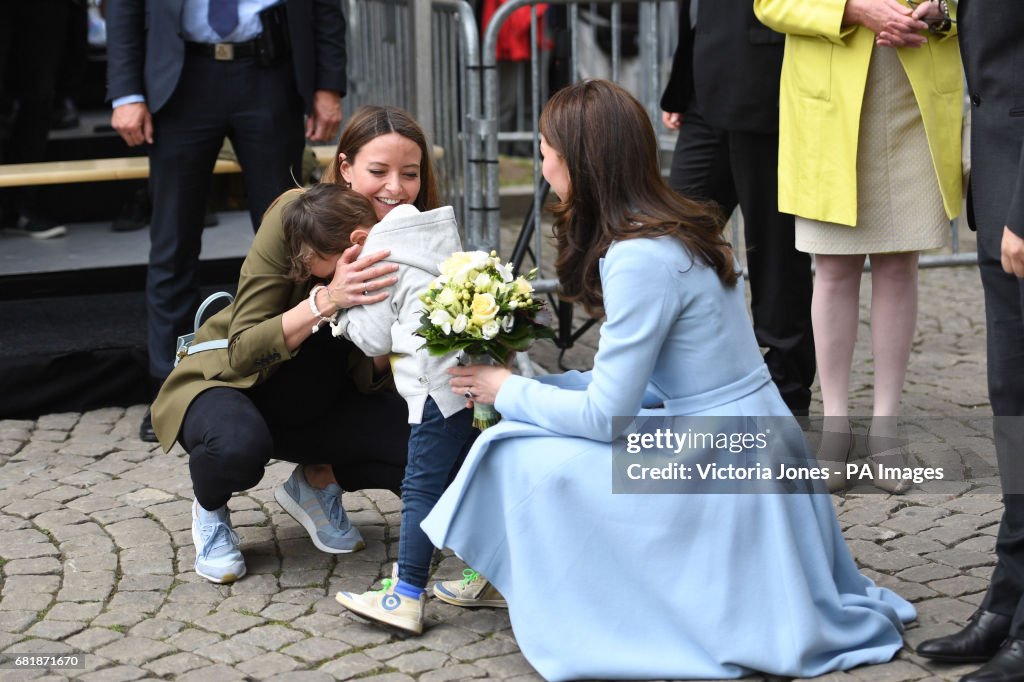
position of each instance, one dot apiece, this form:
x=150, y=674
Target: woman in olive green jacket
x=869, y=163
x=281, y=390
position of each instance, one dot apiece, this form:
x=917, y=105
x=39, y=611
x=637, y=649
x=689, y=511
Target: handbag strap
x=202, y=308
x=206, y=345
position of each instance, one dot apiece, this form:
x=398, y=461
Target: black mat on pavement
x=74, y=353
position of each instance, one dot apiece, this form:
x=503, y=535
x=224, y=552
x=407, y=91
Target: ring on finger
x=468, y=394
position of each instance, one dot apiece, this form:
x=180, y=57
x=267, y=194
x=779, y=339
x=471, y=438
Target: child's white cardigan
x=418, y=243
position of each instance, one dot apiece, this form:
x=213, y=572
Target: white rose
x=460, y=324
x=490, y=329
x=478, y=260
x=522, y=286
x=447, y=297
x=482, y=282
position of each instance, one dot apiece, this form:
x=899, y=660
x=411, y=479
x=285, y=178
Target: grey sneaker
x=472, y=590
x=218, y=558
x=320, y=513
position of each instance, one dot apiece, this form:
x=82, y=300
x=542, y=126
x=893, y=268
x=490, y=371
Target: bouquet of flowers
x=477, y=306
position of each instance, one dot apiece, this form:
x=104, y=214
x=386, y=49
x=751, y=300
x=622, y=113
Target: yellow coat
x=824, y=73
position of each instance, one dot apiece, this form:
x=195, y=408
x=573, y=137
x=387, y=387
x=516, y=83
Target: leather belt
x=224, y=52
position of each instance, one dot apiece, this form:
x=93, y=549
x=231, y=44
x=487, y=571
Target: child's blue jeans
x=437, y=447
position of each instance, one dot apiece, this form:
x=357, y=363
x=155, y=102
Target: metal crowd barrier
x=388, y=47
x=441, y=71
x=644, y=75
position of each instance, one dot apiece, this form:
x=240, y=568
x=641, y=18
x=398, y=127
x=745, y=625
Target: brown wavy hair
x=369, y=123
x=616, y=190
x=320, y=223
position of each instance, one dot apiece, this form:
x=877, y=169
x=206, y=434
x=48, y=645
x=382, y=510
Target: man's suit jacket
x=993, y=55
x=731, y=62
x=146, y=50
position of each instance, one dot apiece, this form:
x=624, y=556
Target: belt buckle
x=224, y=52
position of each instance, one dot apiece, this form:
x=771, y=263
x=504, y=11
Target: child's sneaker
x=320, y=513
x=218, y=558
x=472, y=590
x=387, y=606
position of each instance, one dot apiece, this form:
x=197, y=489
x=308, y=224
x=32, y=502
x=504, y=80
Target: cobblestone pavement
x=96, y=553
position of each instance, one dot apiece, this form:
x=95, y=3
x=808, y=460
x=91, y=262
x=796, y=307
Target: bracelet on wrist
x=946, y=22
x=315, y=310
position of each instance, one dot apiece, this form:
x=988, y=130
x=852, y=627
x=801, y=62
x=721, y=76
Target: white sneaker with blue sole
x=218, y=558
x=320, y=513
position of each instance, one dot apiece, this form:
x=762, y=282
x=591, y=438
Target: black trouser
x=260, y=111
x=1004, y=318
x=308, y=412
x=31, y=41
x=739, y=167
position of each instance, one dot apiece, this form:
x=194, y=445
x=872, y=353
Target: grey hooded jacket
x=419, y=242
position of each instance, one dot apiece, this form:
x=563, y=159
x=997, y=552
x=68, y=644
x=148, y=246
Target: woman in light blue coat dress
x=642, y=586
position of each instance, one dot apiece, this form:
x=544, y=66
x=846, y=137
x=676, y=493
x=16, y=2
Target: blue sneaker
x=320, y=513
x=218, y=558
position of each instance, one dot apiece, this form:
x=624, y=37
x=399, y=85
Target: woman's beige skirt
x=899, y=205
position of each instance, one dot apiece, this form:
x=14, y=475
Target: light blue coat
x=657, y=586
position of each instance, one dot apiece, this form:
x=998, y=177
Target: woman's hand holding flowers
x=482, y=382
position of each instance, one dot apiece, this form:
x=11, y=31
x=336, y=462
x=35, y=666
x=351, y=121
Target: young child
x=442, y=430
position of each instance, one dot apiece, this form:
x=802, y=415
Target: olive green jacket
x=252, y=324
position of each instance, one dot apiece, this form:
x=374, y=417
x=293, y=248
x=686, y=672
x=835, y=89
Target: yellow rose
x=523, y=287
x=455, y=262
x=484, y=308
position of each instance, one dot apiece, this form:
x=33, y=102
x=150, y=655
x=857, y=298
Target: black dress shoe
x=135, y=213
x=1006, y=666
x=146, y=432
x=976, y=643
x=65, y=114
